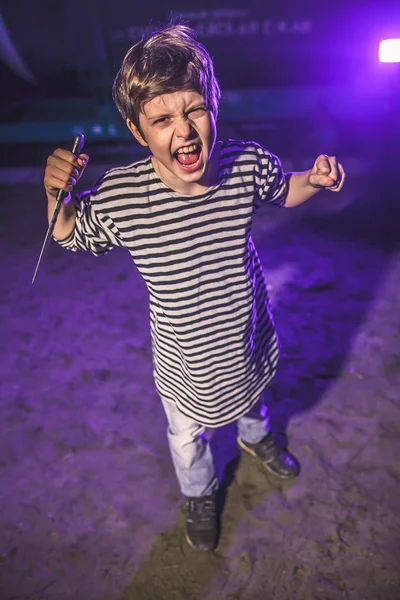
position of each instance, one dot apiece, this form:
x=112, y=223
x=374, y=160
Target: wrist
x=52, y=197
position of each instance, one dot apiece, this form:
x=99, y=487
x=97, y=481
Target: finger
x=334, y=172
x=58, y=177
x=66, y=155
x=341, y=180
x=322, y=165
x=53, y=185
x=321, y=181
x=57, y=163
x=83, y=160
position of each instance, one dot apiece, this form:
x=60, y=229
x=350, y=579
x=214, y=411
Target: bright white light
x=389, y=50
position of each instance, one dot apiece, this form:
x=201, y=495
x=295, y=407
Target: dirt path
x=89, y=504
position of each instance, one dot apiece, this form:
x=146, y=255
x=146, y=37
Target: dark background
x=304, y=72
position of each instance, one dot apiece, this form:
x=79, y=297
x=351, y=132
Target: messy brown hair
x=170, y=60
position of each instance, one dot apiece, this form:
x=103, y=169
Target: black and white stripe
x=214, y=342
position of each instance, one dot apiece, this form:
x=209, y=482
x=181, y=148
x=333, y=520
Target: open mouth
x=189, y=157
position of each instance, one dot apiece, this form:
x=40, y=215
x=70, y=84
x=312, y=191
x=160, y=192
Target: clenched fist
x=63, y=170
x=327, y=173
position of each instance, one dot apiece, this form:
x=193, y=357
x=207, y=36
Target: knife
x=61, y=195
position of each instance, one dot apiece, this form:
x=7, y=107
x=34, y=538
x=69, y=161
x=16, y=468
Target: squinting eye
x=198, y=112
x=161, y=121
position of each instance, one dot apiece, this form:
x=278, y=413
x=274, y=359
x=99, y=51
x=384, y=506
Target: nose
x=183, y=128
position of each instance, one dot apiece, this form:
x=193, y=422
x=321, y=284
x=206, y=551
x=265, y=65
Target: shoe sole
x=264, y=464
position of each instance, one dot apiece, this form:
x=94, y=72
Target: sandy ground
x=89, y=503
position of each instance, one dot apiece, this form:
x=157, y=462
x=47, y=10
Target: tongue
x=189, y=158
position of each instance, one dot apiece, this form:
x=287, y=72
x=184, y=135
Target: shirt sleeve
x=270, y=180
x=93, y=231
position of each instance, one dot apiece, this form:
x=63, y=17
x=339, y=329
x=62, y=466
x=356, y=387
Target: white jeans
x=190, y=449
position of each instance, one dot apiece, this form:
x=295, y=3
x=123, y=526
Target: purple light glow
x=389, y=50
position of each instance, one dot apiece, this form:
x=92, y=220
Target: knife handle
x=77, y=148
x=78, y=144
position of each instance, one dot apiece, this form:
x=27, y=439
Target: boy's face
x=180, y=132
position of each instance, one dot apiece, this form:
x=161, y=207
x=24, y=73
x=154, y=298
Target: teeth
x=187, y=149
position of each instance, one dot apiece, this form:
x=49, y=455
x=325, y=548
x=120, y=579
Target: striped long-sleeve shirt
x=213, y=339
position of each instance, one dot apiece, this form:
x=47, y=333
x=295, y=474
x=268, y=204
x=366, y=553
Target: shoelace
x=268, y=446
x=203, y=507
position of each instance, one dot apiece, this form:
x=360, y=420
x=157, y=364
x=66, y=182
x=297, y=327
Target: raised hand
x=63, y=170
x=327, y=173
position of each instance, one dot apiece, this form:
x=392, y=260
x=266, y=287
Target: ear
x=136, y=133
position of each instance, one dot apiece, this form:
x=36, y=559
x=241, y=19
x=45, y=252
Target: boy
x=185, y=215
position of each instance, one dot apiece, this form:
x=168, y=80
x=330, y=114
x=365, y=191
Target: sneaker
x=274, y=459
x=201, y=523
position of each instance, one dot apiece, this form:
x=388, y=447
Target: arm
x=326, y=173
x=79, y=226
x=65, y=223
x=63, y=170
